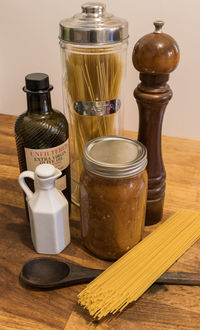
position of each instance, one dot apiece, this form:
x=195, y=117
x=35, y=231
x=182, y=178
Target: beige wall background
x=29, y=43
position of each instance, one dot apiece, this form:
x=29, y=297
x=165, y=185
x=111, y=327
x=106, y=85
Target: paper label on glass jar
x=57, y=156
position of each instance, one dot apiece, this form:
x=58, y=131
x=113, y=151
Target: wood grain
x=161, y=307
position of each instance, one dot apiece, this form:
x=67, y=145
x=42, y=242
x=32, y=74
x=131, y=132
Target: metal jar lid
x=93, y=25
x=114, y=156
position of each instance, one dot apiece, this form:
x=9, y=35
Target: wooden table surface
x=161, y=307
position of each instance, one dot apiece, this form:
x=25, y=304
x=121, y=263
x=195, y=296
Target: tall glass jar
x=113, y=192
x=93, y=50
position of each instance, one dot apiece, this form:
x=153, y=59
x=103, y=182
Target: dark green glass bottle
x=42, y=134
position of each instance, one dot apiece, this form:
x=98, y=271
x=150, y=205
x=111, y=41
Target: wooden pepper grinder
x=155, y=55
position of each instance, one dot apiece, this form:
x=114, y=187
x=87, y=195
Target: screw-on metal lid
x=93, y=25
x=114, y=156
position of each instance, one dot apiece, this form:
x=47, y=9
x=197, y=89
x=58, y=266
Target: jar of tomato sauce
x=113, y=192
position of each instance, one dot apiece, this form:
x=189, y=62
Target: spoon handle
x=85, y=275
x=179, y=278
x=79, y=274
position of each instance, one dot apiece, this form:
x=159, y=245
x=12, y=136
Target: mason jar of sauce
x=113, y=192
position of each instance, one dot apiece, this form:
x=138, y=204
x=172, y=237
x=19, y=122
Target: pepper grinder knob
x=156, y=52
x=155, y=55
x=158, y=26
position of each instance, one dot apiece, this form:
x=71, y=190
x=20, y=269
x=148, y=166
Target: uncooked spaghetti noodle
x=129, y=277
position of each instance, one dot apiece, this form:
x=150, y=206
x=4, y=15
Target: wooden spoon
x=47, y=272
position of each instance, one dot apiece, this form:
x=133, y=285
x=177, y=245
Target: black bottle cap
x=37, y=82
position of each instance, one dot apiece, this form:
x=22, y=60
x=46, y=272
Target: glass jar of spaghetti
x=93, y=47
x=113, y=191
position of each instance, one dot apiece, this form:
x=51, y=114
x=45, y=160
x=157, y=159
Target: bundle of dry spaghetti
x=93, y=76
x=129, y=277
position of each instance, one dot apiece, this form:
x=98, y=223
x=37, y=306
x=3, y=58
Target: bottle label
x=57, y=156
x=61, y=183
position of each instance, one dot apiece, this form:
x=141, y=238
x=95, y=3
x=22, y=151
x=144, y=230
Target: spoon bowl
x=47, y=272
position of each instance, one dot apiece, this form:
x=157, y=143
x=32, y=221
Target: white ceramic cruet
x=48, y=210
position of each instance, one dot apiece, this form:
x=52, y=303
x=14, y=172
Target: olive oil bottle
x=42, y=134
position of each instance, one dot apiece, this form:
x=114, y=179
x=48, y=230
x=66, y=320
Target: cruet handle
x=23, y=175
